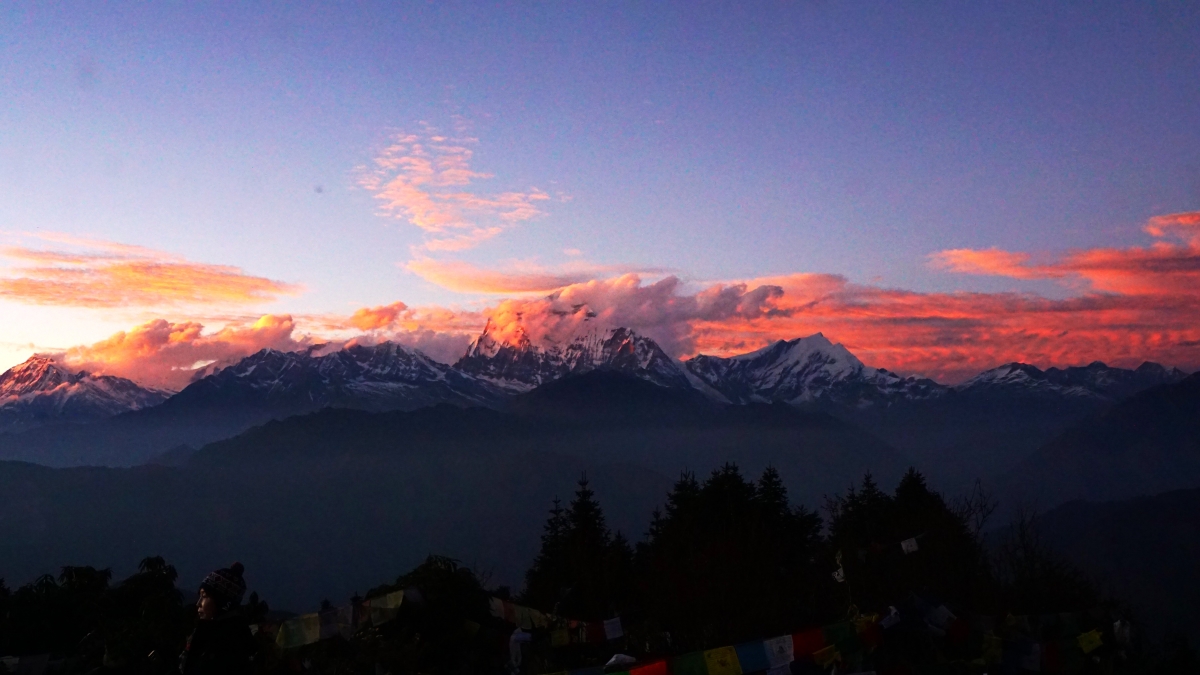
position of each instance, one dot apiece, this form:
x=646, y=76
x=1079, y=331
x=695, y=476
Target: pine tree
x=582, y=571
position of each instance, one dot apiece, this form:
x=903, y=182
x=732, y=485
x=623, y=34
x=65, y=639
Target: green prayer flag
x=689, y=664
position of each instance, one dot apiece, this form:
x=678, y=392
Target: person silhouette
x=221, y=642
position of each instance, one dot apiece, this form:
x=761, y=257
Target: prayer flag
x=689, y=664
x=993, y=649
x=1032, y=660
x=656, y=668
x=839, y=575
x=1089, y=641
x=909, y=545
x=722, y=661
x=780, y=651
x=939, y=616
x=752, y=656
x=299, y=631
x=595, y=631
x=892, y=618
x=843, y=636
x=612, y=629
x=560, y=637
x=805, y=644
x=870, y=634
x=827, y=656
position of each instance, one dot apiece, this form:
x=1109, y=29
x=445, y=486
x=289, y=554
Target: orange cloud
x=524, y=277
x=164, y=354
x=1168, y=267
x=425, y=179
x=108, y=274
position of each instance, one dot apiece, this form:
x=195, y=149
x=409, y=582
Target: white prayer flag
x=909, y=545
x=892, y=618
x=840, y=575
x=779, y=651
x=939, y=617
x=612, y=629
x=1033, y=659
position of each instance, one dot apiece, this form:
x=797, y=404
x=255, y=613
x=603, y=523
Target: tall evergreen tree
x=582, y=570
x=728, y=560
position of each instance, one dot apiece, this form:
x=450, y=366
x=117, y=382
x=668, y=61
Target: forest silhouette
x=726, y=560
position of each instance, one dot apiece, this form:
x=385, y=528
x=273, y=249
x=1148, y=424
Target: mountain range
x=984, y=426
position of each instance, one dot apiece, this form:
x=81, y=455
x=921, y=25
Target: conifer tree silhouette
x=583, y=570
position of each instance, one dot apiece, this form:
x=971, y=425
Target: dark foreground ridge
x=730, y=578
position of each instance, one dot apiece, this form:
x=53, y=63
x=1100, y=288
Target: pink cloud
x=108, y=274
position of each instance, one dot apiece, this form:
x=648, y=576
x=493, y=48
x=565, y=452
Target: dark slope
x=339, y=500
x=1145, y=550
x=306, y=528
x=1145, y=445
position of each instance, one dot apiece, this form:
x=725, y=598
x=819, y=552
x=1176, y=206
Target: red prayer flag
x=807, y=642
x=595, y=632
x=656, y=668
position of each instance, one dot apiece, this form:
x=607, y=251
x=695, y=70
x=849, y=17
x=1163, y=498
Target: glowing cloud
x=164, y=354
x=1169, y=267
x=426, y=180
x=95, y=273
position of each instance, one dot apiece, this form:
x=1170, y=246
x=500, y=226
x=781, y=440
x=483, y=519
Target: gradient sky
x=941, y=186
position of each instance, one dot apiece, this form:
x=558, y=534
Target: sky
x=941, y=187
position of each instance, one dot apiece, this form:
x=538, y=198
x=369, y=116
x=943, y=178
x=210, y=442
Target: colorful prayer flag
x=656, y=668
x=299, y=631
x=689, y=664
x=805, y=644
x=752, y=656
x=1089, y=641
x=826, y=656
x=722, y=661
x=780, y=651
x=560, y=637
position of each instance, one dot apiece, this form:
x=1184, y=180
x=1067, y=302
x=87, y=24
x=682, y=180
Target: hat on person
x=226, y=585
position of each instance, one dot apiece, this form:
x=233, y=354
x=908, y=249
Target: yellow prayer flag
x=993, y=648
x=299, y=631
x=826, y=656
x=560, y=637
x=722, y=661
x=1089, y=641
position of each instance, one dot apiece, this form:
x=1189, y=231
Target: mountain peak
x=518, y=364
x=805, y=369
x=41, y=390
x=37, y=373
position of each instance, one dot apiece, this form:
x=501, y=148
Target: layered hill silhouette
x=1147, y=444
x=339, y=497
x=1143, y=550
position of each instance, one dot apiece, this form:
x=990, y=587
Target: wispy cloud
x=427, y=180
x=1168, y=267
x=80, y=272
x=520, y=277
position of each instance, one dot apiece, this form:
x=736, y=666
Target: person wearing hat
x=221, y=642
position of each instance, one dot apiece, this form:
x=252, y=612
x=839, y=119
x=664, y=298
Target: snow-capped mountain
x=1093, y=381
x=387, y=376
x=518, y=365
x=806, y=370
x=40, y=391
